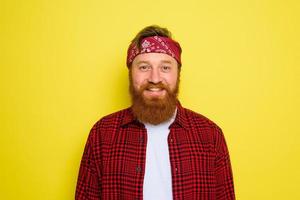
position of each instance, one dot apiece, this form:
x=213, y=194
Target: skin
x=154, y=68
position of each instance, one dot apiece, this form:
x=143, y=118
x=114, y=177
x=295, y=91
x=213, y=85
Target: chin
x=161, y=96
x=154, y=98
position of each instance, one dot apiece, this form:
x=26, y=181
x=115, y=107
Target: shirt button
x=171, y=140
x=138, y=169
x=141, y=139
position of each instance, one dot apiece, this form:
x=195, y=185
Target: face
x=157, y=70
x=154, y=82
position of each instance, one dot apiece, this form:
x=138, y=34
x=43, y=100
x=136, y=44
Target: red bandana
x=155, y=44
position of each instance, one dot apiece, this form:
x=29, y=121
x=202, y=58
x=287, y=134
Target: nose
x=154, y=76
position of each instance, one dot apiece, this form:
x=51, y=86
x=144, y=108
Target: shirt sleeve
x=224, y=177
x=88, y=180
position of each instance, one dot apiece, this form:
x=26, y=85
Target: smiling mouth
x=154, y=89
x=154, y=92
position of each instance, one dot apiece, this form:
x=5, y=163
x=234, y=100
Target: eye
x=165, y=68
x=144, y=67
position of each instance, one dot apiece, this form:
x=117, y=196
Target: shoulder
x=205, y=128
x=196, y=119
x=110, y=123
x=112, y=120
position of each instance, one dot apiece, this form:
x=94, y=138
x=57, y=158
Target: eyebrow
x=166, y=61
x=147, y=62
x=140, y=62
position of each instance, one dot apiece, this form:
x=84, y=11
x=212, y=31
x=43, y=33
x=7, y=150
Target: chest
x=189, y=151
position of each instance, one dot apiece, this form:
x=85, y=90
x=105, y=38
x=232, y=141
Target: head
x=154, y=75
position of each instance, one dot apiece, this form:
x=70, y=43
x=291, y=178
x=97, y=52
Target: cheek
x=136, y=84
x=171, y=81
x=137, y=81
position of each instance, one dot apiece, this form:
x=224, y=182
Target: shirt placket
x=141, y=162
x=174, y=163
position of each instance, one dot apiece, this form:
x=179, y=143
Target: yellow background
x=63, y=68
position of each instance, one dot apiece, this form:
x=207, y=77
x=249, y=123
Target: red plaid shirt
x=113, y=162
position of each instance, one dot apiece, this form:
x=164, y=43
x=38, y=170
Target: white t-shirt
x=158, y=177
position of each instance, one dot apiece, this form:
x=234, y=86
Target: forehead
x=153, y=58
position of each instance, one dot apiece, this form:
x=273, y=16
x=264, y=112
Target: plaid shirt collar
x=181, y=118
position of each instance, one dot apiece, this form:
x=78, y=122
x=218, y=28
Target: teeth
x=154, y=89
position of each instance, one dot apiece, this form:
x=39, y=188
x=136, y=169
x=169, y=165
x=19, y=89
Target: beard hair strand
x=154, y=110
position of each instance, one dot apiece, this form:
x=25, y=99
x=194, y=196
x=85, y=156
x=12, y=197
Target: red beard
x=153, y=110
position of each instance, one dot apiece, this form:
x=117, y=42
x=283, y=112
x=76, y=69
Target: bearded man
x=156, y=149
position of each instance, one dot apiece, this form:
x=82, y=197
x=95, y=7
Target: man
x=156, y=149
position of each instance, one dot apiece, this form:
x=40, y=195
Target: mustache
x=159, y=85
